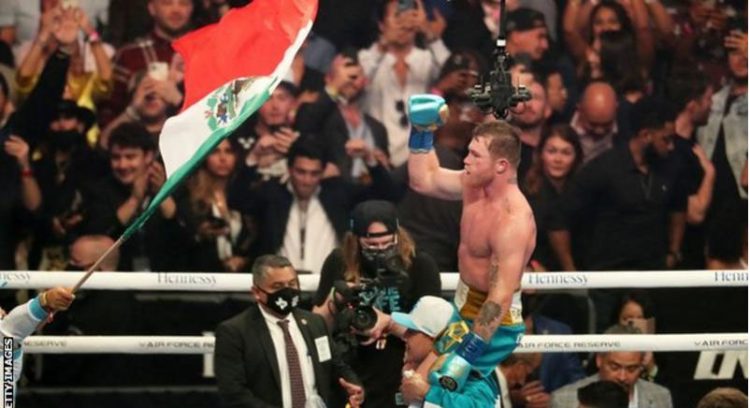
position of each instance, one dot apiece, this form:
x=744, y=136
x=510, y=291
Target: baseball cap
x=456, y=62
x=524, y=19
x=431, y=315
x=371, y=211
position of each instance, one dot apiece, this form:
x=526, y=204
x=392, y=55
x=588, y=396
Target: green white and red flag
x=231, y=69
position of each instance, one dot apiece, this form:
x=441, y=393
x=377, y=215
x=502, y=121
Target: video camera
x=355, y=303
x=356, y=306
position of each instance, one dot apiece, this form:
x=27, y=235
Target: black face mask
x=282, y=301
x=374, y=260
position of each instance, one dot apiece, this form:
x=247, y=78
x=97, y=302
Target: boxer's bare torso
x=498, y=233
x=483, y=219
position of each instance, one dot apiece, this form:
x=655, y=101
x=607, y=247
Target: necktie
x=401, y=69
x=351, y=115
x=295, y=370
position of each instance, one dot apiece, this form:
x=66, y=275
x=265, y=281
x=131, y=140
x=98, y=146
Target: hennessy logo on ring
x=185, y=279
x=15, y=276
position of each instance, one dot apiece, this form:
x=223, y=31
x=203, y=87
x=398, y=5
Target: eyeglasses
x=401, y=108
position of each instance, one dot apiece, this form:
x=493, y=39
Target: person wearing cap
x=420, y=328
x=306, y=217
x=458, y=75
x=528, y=38
x=377, y=247
x=526, y=33
x=498, y=236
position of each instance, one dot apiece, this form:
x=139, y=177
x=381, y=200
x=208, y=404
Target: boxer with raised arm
x=498, y=235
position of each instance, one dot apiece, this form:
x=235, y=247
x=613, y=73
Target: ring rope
x=229, y=282
x=529, y=343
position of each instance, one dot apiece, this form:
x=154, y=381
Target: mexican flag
x=231, y=69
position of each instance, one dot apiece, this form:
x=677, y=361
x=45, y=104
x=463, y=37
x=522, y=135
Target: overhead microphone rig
x=497, y=94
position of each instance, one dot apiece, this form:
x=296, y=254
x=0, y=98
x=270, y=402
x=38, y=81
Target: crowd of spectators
x=634, y=148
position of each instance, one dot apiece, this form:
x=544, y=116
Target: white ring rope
x=529, y=344
x=224, y=282
x=232, y=282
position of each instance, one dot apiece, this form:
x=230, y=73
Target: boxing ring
x=223, y=282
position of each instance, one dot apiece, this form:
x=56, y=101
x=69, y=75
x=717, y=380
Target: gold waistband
x=469, y=301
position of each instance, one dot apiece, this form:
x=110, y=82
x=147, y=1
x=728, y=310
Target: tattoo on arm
x=493, y=275
x=488, y=319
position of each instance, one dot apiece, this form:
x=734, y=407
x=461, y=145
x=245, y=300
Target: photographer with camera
x=377, y=267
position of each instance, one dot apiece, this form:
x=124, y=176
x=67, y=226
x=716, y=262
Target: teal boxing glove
x=426, y=113
x=453, y=369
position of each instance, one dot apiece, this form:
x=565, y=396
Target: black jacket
x=160, y=241
x=323, y=119
x=271, y=203
x=380, y=368
x=247, y=371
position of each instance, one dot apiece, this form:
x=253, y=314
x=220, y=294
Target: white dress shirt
x=309, y=236
x=504, y=398
x=277, y=336
x=384, y=90
x=633, y=403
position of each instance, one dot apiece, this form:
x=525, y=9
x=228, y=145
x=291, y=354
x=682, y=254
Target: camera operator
x=376, y=267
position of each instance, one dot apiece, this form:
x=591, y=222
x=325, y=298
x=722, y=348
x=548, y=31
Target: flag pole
x=98, y=262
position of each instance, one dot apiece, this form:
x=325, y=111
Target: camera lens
x=364, y=318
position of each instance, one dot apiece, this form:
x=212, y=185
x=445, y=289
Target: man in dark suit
x=305, y=218
x=336, y=118
x=265, y=359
